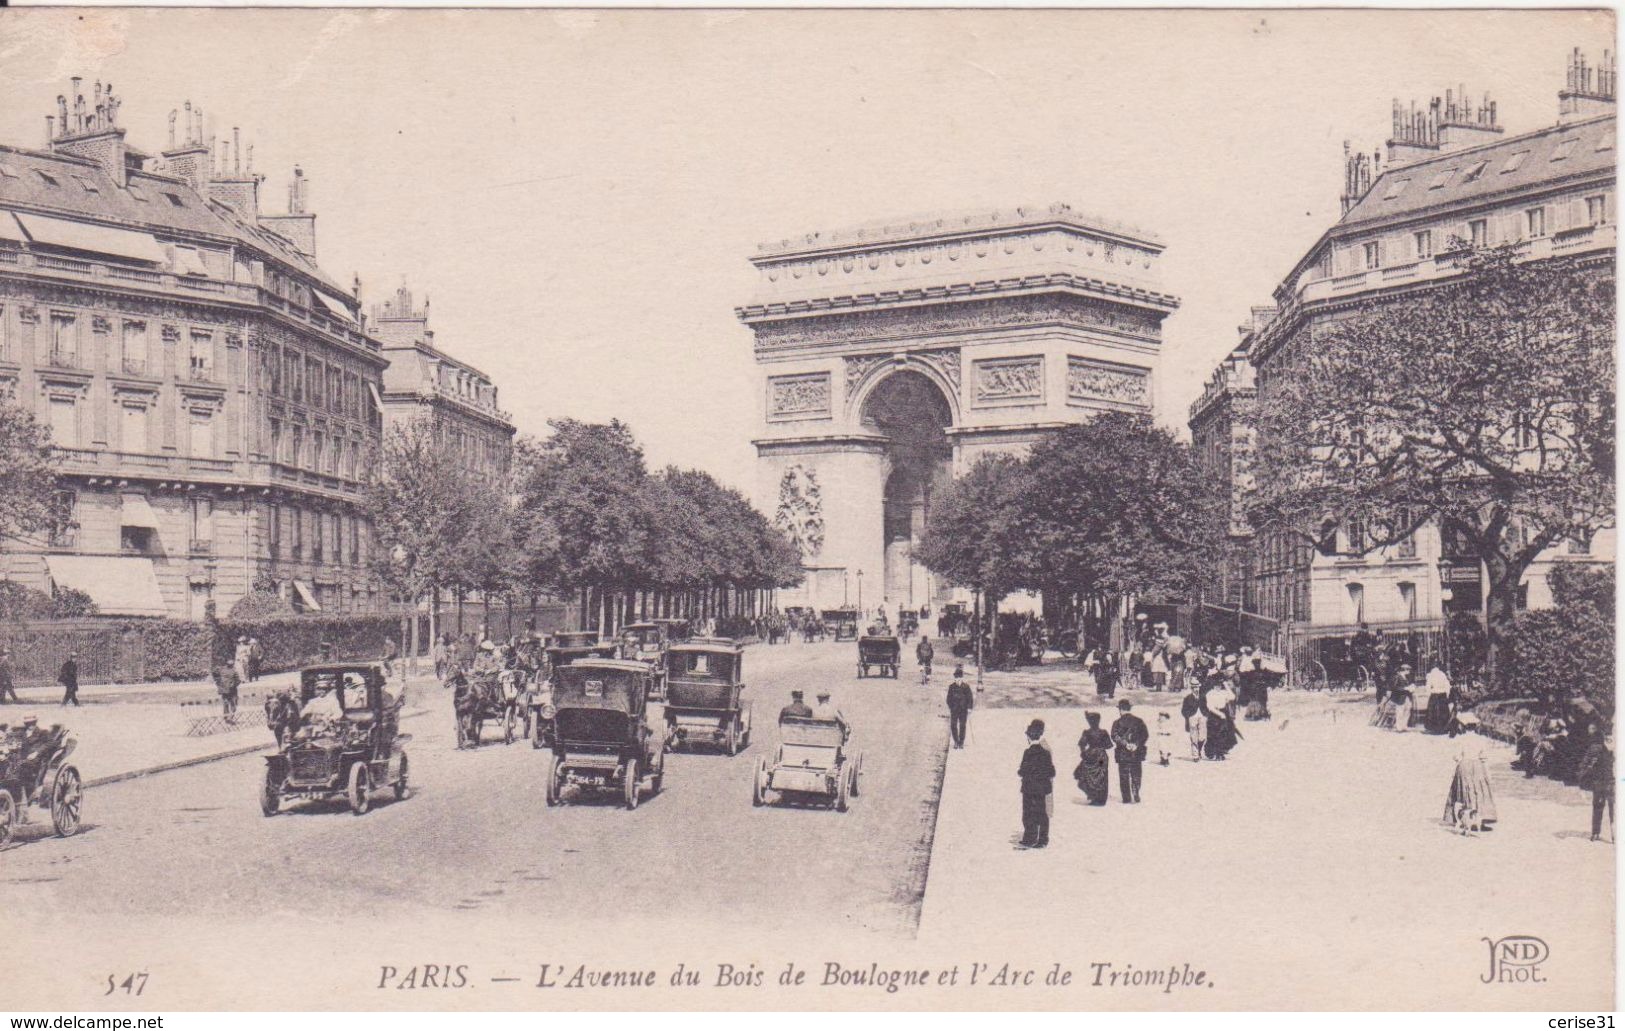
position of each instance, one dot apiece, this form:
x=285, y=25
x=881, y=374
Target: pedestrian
x=1037, y=773
x=1165, y=738
x=1195, y=716
x=1471, y=803
x=1597, y=775
x=68, y=677
x=8, y=690
x=439, y=657
x=1403, y=696
x=1107, y=677
x=925, y=653
x=1220, y=706
x=256, y=658
x=1094, y=760
x=239, y=658
x=226, y=682
x=961, y=700
x=1129, y=735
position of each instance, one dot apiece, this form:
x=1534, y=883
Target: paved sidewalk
x=134, y=730
x=1315, y=857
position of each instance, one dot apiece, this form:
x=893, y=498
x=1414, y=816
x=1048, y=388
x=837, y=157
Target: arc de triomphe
x=893, y=356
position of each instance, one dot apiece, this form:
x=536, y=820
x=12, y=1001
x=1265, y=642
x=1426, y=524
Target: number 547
x=135, y=984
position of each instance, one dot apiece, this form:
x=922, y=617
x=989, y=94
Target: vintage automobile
x=601, y=737
x=573, y=639
x=346, y=743
x=843, y=623
x=677, y=630
x=704, y=679
x=34, y=772
x=645, y=642
x=487, y=696
x=881, y=653
x=908, y=624
x=811, y=765
x=537, y=701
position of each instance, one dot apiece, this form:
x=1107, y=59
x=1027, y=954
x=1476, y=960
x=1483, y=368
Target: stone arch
x=858, y=396
x=913, y=413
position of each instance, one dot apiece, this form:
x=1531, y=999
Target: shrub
x=18, y=602
x=1568, y=650
x=260, y=605
x=295, y=641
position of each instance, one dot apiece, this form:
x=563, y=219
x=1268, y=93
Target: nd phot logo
x=1515, y=959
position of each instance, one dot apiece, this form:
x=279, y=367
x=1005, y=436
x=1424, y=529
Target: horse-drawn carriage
x=704, y=680
x=601, y=737
x=908, y=624
x=882, y=653
x=487, y=696
x=811, y=765
x=34, y=772
x=346, y=742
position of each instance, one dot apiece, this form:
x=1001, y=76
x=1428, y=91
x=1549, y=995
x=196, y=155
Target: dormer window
x=1514, y=162
x=1564, y=149
x=1442, y=178
x=6, y=172
x=1395, y=188
x=135, y=191
x=175, y=199
x=1474, y=171
x=89, y=186
x=46, y=178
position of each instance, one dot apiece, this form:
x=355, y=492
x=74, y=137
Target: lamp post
x=860, y=590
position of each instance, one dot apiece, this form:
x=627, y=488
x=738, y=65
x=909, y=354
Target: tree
x=27, y=476
x=972, y=538
x=1485, y=404
x=1569, y=648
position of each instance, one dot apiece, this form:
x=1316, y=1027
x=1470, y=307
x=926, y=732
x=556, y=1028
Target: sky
x=579, y=193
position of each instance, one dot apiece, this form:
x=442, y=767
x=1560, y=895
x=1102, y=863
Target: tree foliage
x=1485, y=404
x=27, y=475
x=1567, y=649
x=1112, y=506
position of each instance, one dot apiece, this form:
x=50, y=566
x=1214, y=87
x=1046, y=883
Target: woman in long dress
x=1471, y=801
x=1093, y=772
x=1220, y=705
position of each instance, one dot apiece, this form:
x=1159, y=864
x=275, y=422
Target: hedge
x=295, y=641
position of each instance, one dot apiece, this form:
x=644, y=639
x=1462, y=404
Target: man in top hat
x=8, y=690
x=1037, y=773
x=1129, y=736
x=68, y=677
x=797, y=707
x=960, y=702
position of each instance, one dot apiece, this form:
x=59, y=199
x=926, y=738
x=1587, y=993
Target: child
x=1165, y=738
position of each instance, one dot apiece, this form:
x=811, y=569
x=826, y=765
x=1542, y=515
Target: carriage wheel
x=842, y=786
x=360, y=789
x=733, y=738
x=402, y=788
x=67, y=795
x=1367, y=682
x=8, y=817
x=863, y=671
x=657, y=777
x=507, y=728
x=630, y=782
x=554, y=785
x=857, y=774
x=270, y=795
x=759, y=793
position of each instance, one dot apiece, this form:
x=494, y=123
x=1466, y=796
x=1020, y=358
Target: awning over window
x=188, y=262
x=134, y=511
x=307, y=595
x=83, y=236
x=11, y=229
x=377, y=402
x=332, y=305
x=123, y=586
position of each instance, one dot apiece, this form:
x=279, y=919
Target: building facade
x=422, y=383
x=213, y=394
x=1452, y=181
x=892, y=357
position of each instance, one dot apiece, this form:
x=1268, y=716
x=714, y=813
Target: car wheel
x=857, y=774
x=67, y=795
x=733, y=739
x=631, y=782
x=360, y=789
x=759, y=792
x=270, y=795
x=552, y=773
x=402, y=788
x=842, y=784
x=8, y=817
x=507, y=729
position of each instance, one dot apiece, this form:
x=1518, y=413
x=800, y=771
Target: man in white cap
x=826, y=710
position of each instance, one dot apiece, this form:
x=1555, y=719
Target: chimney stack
x=93, y=132
x=1589, y=91
x=188, y=157
x=299, y=224
x=1359, y=172
x=233, y=186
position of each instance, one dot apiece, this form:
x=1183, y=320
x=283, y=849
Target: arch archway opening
x=913, y=414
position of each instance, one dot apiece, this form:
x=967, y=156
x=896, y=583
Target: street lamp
x=860, y=590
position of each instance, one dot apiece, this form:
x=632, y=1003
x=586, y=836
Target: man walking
x=1597, y=773
x=961, y=701
x=8, y=690
x=1195, y=719
x=1037, y=773
x=68, y=677
x=1129, y=736
x=256, y=658
x=925, y=653
x=226, y=682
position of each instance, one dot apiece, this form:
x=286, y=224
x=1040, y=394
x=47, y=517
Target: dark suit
x=1129, y=735
x=960, y=703
x=68, y=677
x=1037, y=772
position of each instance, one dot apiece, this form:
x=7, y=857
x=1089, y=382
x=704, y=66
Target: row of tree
x=578, y=515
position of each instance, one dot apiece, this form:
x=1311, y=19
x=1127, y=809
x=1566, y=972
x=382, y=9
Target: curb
x=182, y=764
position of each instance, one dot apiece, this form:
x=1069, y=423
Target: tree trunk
x=1500, y=608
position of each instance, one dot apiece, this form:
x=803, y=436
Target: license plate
x=595, y=689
